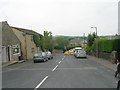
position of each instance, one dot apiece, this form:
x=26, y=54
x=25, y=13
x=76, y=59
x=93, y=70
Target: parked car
x=71, y=52
x=77, y=48
x=80, y=53
x=66, y=52
x=38, y=57
x=49, y=55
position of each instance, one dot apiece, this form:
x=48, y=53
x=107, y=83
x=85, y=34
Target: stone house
x=28, y=47
x=10, y=44
x=78, y=41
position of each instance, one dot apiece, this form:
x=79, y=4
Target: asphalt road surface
x=60, y=72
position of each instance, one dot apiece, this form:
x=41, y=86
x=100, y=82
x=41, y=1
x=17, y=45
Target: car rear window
x=80, y=50
x=44, y=54
x=37, y=54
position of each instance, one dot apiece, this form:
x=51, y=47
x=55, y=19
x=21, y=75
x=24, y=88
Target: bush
x=116, y=45
x=88, y=49
x=105, y=45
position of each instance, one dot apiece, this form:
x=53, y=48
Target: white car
x=80, y=53
x=49, y=55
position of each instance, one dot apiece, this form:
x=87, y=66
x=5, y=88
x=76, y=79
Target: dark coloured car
x=38, y=57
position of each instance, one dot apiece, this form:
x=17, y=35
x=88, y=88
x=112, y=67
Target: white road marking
x=41, y=83
x=55, y=68
x=59, y=62
x=63, y=58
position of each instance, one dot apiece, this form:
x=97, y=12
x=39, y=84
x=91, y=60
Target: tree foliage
x=61, y=42
x=38, y=40
x=48, y=41
x=91, y=39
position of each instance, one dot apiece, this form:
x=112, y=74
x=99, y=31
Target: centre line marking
x=59, y=62
x=55, y=68
x=40, y=83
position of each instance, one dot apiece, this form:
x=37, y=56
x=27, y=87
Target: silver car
x=38, y=57
x=80, y=53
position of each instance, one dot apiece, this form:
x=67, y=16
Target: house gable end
x=8, y=36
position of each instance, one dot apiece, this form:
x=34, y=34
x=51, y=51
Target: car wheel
x=33, y=61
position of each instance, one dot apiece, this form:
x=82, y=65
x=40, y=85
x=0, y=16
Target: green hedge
x=105, y=45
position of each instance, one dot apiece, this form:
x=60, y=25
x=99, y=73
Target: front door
x=9, y=53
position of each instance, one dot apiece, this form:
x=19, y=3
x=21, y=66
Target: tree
x=61, y=42
x=91, y=39
x=48, y=41
x=38, y=40
x=41, y=44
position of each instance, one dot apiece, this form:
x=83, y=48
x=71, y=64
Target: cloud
x=67, y=17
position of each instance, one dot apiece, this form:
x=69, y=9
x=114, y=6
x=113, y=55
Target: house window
x=16, y=49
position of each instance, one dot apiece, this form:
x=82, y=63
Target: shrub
x=105, y=45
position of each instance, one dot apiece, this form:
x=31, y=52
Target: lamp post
x=96, y=41
x=95, y=29
x=84, y=39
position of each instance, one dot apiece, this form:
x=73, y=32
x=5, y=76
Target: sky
x=62, y=17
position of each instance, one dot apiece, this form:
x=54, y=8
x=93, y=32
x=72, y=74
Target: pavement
x=60, y=72
x=104, y=62
x=12, y=63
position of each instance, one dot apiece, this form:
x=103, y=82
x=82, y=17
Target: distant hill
x=71, y=37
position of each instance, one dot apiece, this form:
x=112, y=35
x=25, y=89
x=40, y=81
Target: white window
x=16, y=49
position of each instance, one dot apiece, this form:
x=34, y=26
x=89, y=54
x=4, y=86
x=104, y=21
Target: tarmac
x=104, y=62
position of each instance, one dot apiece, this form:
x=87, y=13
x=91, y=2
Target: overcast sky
x=62, y=17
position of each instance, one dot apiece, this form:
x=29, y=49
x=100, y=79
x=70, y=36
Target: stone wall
x=112, y=57
x=106, y=56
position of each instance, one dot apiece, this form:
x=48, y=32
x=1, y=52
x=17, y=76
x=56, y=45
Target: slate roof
x=27, y=31
x=8, y=36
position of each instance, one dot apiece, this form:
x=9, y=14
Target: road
x=60, y=72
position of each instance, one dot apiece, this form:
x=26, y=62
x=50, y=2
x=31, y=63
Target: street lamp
x=96, y=41
x=95, y=29
x=84, y=39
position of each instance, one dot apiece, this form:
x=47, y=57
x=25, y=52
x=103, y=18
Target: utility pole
x=84, y=39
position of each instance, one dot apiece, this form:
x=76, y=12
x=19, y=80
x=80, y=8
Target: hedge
x=105, y=45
